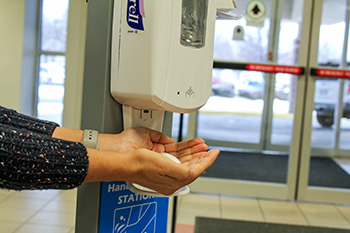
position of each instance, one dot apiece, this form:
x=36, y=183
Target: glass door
x=325, y=164
x=256, y=106
x=237, y=102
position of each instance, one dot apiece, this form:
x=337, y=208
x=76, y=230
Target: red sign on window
x=333, y=73
x=275, y=69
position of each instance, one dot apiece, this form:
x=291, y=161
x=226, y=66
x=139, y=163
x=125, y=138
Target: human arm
x=38, y=154
x=129, y=156
x=30, y=160
x=15, y=120
x=132, y=139
x=148, y=168
x=145, y=167
x=43, y=162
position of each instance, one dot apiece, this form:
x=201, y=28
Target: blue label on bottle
x=135, y=14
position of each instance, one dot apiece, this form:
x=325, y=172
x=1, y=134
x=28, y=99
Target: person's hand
x=129, y=139
x=134, y=138
x=163, y=175
x=149, y=168
x=141, y=137
x=134, y=156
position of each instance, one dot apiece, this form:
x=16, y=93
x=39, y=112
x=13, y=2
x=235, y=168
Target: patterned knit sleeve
x=29, y=160
x=12, y=118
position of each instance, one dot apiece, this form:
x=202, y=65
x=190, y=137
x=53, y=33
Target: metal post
x=99, y=110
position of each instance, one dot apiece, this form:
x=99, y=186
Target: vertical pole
x=295, y=151
x=338, y=110
x=99, y=111
x=179, y=139
x=308, y=102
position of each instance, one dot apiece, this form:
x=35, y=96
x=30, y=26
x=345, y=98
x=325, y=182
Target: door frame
x=266, y=189
x=305, y=192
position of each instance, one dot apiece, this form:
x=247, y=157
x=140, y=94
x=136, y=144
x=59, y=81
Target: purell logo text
x=135, y=15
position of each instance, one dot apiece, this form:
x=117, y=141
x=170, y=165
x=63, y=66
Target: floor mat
x=324, y=172
x=210, y=225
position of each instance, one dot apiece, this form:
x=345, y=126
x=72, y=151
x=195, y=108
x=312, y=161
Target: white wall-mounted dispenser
x=162, y=53
x=162, y=57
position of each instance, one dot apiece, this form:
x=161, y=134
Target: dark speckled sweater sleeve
x=31, y=159
x=14, y=119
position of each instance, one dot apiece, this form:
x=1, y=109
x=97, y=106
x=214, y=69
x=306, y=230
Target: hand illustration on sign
x=122, y=211
x=140, y=218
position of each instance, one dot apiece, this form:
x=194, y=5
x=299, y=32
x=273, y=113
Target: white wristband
x=90, y=139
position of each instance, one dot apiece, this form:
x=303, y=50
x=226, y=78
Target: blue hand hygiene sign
x=122, y=211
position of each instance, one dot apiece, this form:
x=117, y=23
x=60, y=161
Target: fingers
x=193, y=152
x=159, y=137
x=190, y=153
x=190, y=158
x=158, y=167
x=186, y=147
x=159, y=173
x=195, y=170
x=188, y=144
x=203, y=163
x=165, y=189
x=183, y=174
x=165, y=176
x=175, y=171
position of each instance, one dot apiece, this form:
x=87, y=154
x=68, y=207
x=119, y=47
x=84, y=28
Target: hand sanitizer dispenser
x=162, y=56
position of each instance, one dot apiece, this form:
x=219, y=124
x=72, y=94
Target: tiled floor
x=54, y=211
x=259, y=210
x=37, y=211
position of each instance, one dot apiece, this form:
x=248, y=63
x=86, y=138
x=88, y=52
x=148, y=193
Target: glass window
x=330, y=54
x=178, y=121
x=290, y=32
x=283, y=109
x=252, y=49
x=234, y=108
x=52, y=60
x=345, y=120
x=288, y=43
x=51, y=87
x=332, y=33
x=54, y=25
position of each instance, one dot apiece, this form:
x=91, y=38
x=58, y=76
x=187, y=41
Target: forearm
x=108, y=166
x=35, y=161
x=74, y=135
x=20, y=121
x=108, y=142
x=103, y=165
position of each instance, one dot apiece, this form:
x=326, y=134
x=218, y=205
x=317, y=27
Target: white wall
x=75, y=57
x=11, y=46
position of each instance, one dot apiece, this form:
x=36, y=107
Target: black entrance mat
x=211, y=225
x=324, y=172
